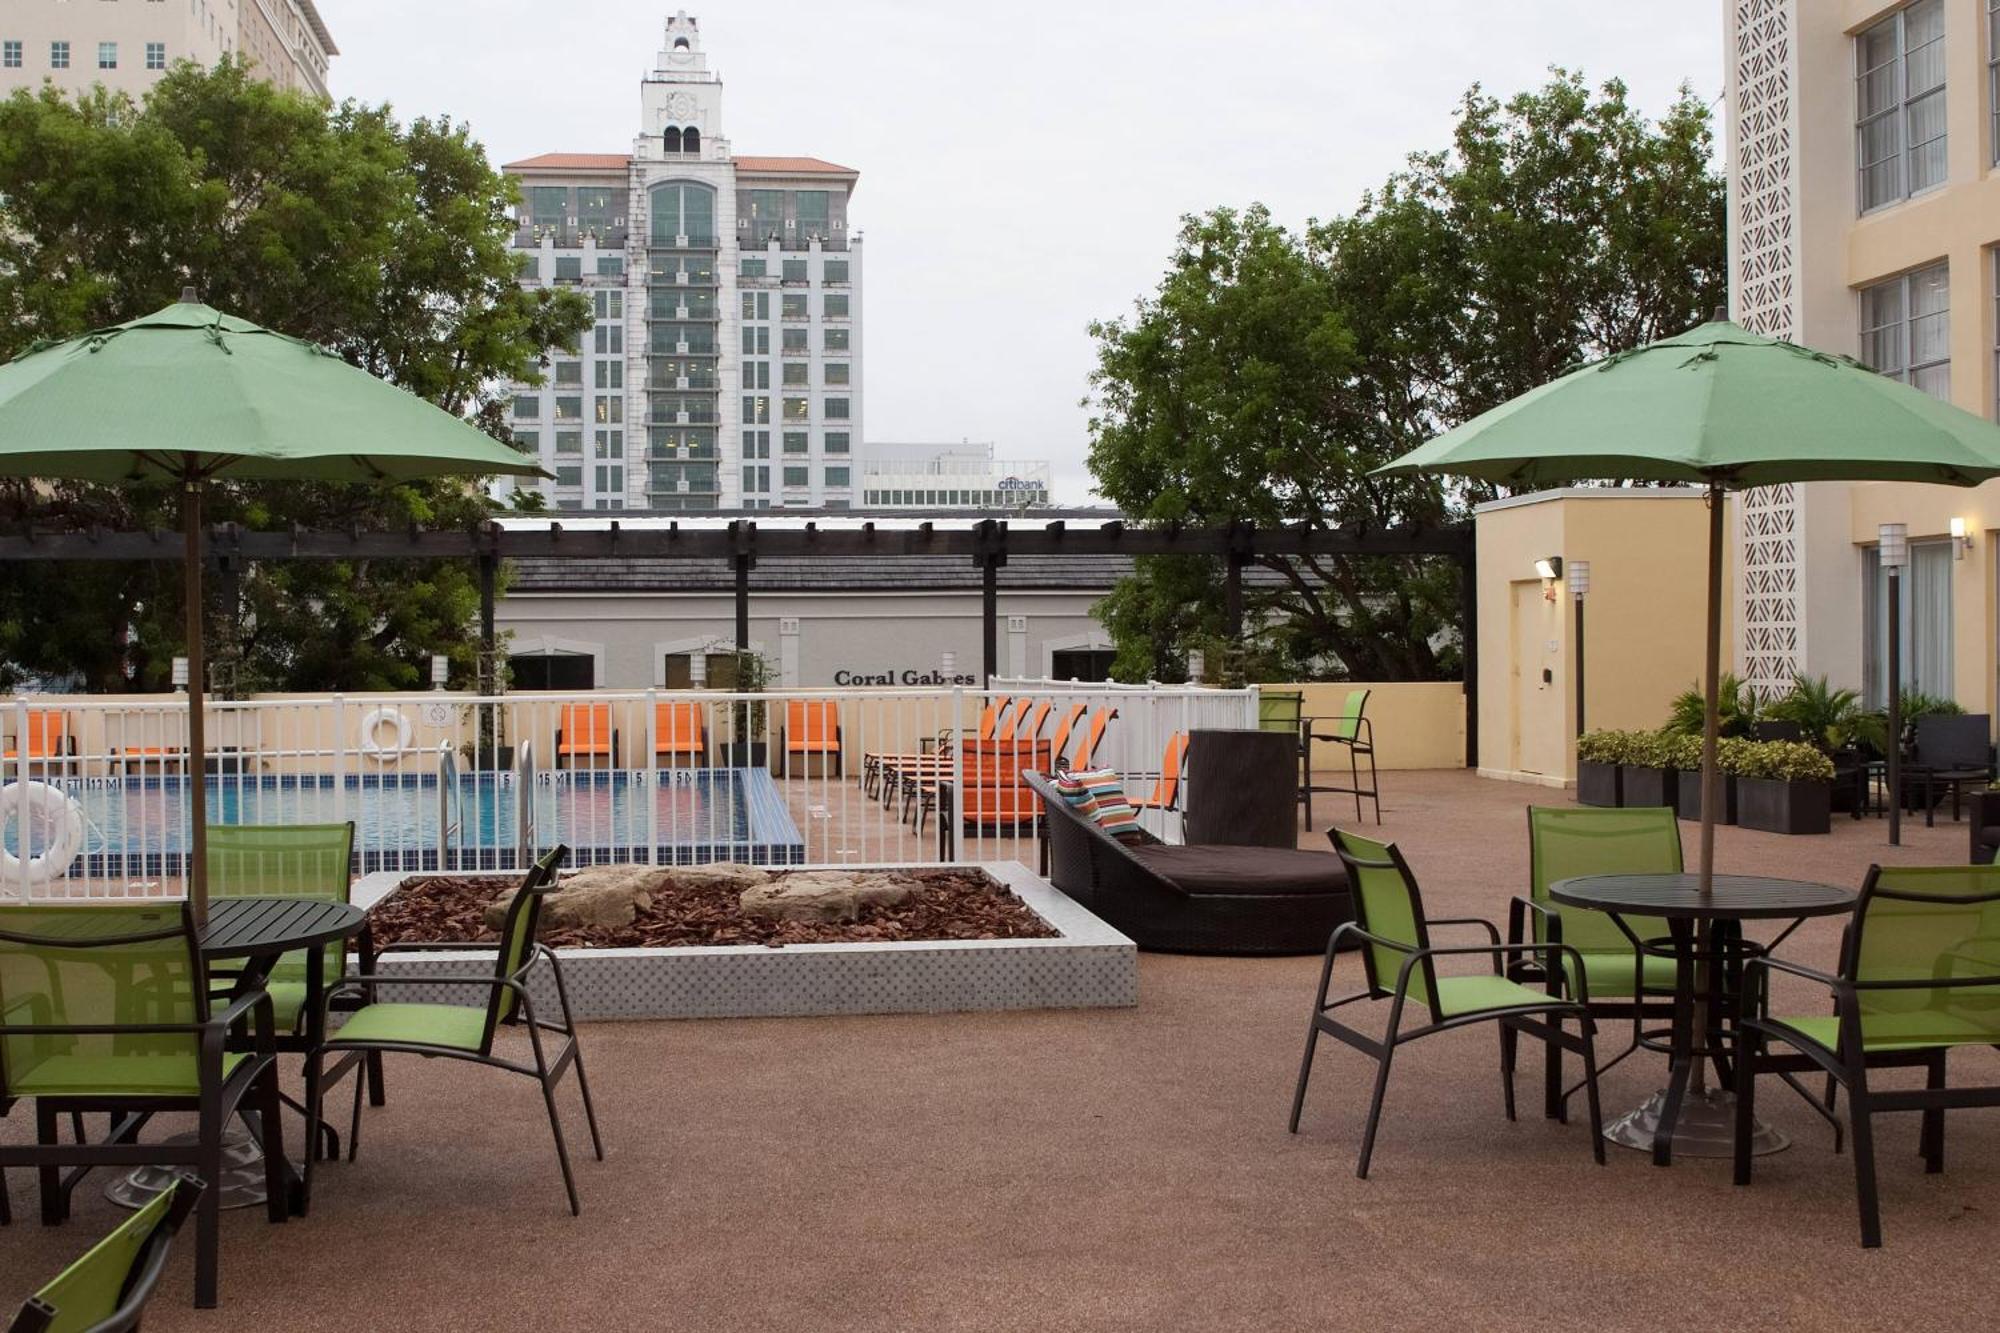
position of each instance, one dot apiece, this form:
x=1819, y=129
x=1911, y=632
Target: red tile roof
x=763, y=166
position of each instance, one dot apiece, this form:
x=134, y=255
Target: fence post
x=650, y=789
x=957, y=812
x=340, y=762
x=20, y=811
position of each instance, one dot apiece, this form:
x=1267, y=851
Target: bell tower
x=681, y=99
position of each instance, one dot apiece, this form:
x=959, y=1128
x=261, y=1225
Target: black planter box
x=491, y=759
x=745, y=754
x=1784, y=807
x=1983, y=814
x=1647, y=786
x=1597, y=783
x=1690, y=793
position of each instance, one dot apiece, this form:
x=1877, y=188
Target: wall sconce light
x=440, y=668
x=1579, y=578
x=180, y=673
x=1549, y=568
x=1961, y=540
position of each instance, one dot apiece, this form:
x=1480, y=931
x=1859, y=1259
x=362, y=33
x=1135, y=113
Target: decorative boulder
x=727, y=874
x=824, y=895
x=603, y=896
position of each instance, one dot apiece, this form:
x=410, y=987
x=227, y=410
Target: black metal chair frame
x=1847, y=1066
x=1421, y=960
x=1361, y=743
x=1920, y=773
x=140, y=1280
x=539, y=881
x=218, y=1102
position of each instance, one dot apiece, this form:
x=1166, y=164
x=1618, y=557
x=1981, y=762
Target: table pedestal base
x=242, y=1183
x=1706, y=1126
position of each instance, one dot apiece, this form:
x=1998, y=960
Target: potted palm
x=1598, y=755
x=1784, y=787
x=1835, y=722
x=749, y=719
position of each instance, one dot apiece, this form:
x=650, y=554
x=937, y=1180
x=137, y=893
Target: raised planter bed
x=1597, y=784
x=1644, y=786
x=1084, y=963
x=1777, y=806
x=1689, y=804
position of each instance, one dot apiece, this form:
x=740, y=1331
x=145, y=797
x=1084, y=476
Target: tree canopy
x=1273, y=369
x=388, y=243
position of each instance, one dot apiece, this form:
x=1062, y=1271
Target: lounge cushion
x=1224, y=870
x=1098, y=794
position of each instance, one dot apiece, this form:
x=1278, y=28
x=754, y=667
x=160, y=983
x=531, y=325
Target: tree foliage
x=1272, y=369
x=385, y=242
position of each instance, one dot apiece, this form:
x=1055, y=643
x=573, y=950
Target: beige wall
x=1417, y=724
x=203, y=32
x=1643, y=626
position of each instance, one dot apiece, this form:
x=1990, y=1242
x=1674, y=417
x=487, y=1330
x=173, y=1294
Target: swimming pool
x=138, y=826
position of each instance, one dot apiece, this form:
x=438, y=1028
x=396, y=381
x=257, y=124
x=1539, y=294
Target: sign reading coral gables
x=907, y=676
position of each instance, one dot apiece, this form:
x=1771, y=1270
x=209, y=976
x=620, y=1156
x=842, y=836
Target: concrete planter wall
x=1088, y=965
x=1775, y=806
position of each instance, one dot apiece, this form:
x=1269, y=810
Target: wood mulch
x=948, y=904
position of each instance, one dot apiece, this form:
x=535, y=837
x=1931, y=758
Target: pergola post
x=1468, y=620
x=743, y=538
x=489, y=664
x=990, y=551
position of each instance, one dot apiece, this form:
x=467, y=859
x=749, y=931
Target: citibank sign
x=1016, y=484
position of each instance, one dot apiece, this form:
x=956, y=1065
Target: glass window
x=756, y=341
x=764, y=215
x=834, y=271
x=836, y=409
x=751, y=268
x=797, y=476
x=756, y=410
x=796, y=373
x=1924, y=622
x=59, y=55
x=610, y=444
x=527, y=441
x=836, y=442
x=836, y=372
x=756, y=374
x=611, y=409
x=611, y=266
x=814, y=213
x=1899, y=106
x=756, y=444
x=836, y=476
x=156, y=55
x=10, y=54
x=683, y=208
x=569, y=372
x=795, y=306
x=756, y=305
x=553, y=671
x=836, y=340
x=796, y=441
x=527, y=407
x=107, y=55
x=569, y=409
x=795, y=270
x=569, y=441
x=569, y=474
x=834, y=305
x=1993, y=74
x=569, y=268
x=610, y=374
x=610, y=478
x=608, y=339
x=593, y=209
x=1906, y=329
x=610, y=305
x=528, y=266
x=795, y=340
x=798, y=409
x=548, y=205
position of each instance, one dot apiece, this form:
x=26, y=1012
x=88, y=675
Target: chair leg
x=1863, y=1133
x=1509, y=1039
x=277, y=1193
x=354, y=1121
x=315, y=1121
x=562, y=1150
x=1747, y=1050
x=583, y=1086
x=208, y=1212
x=1305, y=1073
x=1932, y=1138
x=1555, y=1106
x=1354, y=781
x=1589, y=1030
x=378, y=1087
x=1375, y=1107
x=54, y=1202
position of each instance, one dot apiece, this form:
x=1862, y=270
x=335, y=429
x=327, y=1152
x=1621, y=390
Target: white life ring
x=371, y=735
x=51, y=808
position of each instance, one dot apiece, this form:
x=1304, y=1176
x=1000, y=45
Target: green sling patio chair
x=1353, y=731
x=107, y=1289
x=465, y=1032
x=1919, y=975
x=1400, y=966
x=109, y=1011
x=1563, y=843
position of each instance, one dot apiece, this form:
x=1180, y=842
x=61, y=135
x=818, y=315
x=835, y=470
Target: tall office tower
x=724, y=366
x=126, y=45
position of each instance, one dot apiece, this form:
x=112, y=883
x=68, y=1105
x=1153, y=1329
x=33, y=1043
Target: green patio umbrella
x=190, y=395
x=1720, y=407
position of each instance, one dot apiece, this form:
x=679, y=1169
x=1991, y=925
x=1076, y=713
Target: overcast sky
x=1022, y=168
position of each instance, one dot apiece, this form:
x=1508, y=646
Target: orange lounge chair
x=995, y=794
x=1092, y=735
x=1167, y=786
x=679, y=732
x=882, y=772
x=585, y=732
x=48, y=737
x=812, y=726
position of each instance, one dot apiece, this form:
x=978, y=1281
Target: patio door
x=1539, y=732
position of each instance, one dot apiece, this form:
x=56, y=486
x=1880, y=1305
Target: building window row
x=1899, y=104
x=1906, y=329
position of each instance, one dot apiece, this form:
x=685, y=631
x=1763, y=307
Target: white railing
x=93, y=790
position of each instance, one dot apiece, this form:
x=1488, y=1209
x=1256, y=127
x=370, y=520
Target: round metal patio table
x=259, y=931
x=1707, y=946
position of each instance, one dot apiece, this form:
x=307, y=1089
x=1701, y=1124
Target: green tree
x=385, y=242
x=1272, y=370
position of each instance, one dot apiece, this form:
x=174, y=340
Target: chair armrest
x=1518, y=911
x=1494, y=951
x=1492, y=932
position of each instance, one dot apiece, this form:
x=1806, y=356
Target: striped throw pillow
x=1105, y=794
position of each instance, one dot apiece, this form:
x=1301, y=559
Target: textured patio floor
x=1123, y=1169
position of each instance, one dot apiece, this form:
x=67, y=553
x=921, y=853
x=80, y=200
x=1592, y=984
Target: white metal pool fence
x=92, y=789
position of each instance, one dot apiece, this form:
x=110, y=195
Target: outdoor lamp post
x=948, y=666
x=180, y=673
x=1579, y=586
x=1895, y=556
x=440, y=667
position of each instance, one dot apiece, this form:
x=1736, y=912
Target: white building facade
x=950, y=476
x=724, y=366
x=126, y=45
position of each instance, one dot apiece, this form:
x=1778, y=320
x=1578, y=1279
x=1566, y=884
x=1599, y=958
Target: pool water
x=139, y=825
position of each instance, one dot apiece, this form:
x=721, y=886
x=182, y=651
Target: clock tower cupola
x=681, y=99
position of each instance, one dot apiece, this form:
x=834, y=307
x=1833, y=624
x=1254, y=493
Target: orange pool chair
x=48, y=737
x=1092, y=735
x=812, y=726
x=679, y=733
x=585, y=734
x=1167, y=786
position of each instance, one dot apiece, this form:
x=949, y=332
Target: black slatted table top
x=1735, y=897
x=240, y=927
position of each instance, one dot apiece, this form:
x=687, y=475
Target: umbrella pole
x=1711, y=777
x=197, y=760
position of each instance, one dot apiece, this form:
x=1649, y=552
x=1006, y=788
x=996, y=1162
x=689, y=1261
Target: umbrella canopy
x=1725, y=408
x=188, y=394
x=190, y=391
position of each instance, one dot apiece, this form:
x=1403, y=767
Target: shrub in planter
x=1647, y=773
x=1687, y=761
x=1598, y=754
x=1784, y=787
